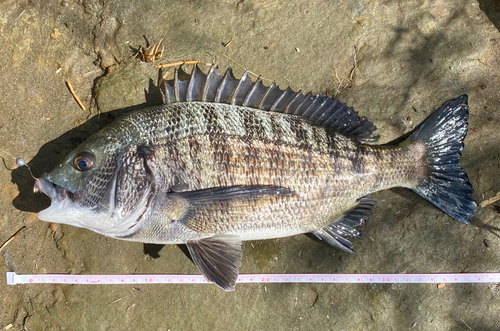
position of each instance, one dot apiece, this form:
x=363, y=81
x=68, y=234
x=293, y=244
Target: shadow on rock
x=52, y=152
x=492, y=9
x=152, y=250
x=425, y=45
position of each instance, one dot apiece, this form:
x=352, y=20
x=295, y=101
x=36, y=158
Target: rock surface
x=395, y=61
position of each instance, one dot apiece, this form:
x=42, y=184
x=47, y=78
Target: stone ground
x=409, y=57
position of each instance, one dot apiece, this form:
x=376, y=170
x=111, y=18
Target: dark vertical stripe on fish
x=300, y=132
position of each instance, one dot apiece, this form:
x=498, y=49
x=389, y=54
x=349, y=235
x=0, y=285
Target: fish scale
x=314, y=171
x=225, y=160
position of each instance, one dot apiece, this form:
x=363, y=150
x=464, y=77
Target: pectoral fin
x=343, y=227
x=238, y=192
x=218, y=258
x=217, y=202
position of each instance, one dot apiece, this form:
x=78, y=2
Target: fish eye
x=84, y=161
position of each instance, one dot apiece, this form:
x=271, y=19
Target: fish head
x=103, y=185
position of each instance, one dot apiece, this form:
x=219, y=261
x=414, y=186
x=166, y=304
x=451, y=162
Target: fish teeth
x=35, y=187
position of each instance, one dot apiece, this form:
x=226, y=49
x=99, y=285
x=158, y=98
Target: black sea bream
x=225, y=160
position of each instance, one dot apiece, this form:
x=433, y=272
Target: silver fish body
x=226, y=160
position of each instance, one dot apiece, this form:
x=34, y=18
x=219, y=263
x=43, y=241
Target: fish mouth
x=66, y=208
x=61, y=202
x=55, y=192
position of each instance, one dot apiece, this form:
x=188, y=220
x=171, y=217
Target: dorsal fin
x=317, y=109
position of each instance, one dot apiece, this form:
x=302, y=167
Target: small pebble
x=55, y=33
x=20, y=162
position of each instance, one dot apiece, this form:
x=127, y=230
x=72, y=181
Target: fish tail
x=444, y=183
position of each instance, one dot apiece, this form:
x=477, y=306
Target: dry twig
x=114, y=301
x=180, y=63
x=242, y=67
x=344, y=82
x=467, y=325
x=70, y=87
x=489, y=201
x=150, y=54
x=12, y=238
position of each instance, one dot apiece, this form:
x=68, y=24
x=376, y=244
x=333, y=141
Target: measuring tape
x=13, y=278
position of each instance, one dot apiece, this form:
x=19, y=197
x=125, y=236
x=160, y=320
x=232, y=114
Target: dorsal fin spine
x=211, y=84
x=298, y=110
x=251, y=92
x=322, y=109
x=284, y=93
x=204, y=89
x=258, y=92
x=327, y=105
x=167, y=92
x=296, y=98
x=241, y=81
x=222, y=85
x=191, y=85
x=269, y=90
x=176, y=85
x=317, y=103
x=336, y=107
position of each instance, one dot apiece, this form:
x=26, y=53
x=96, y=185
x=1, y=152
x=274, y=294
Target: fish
x=226, y=160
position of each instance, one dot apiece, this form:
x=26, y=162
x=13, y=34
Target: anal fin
x=344, y=227
x=218, y=258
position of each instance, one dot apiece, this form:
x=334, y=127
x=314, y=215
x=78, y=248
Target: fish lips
x=62, y=208
x=55, y=192
x=60, y=201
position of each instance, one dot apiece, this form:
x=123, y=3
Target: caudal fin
x=446, y=185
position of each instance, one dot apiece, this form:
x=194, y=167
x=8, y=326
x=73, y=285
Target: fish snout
x=53, y=191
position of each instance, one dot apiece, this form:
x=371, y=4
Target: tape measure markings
x=13, y=278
